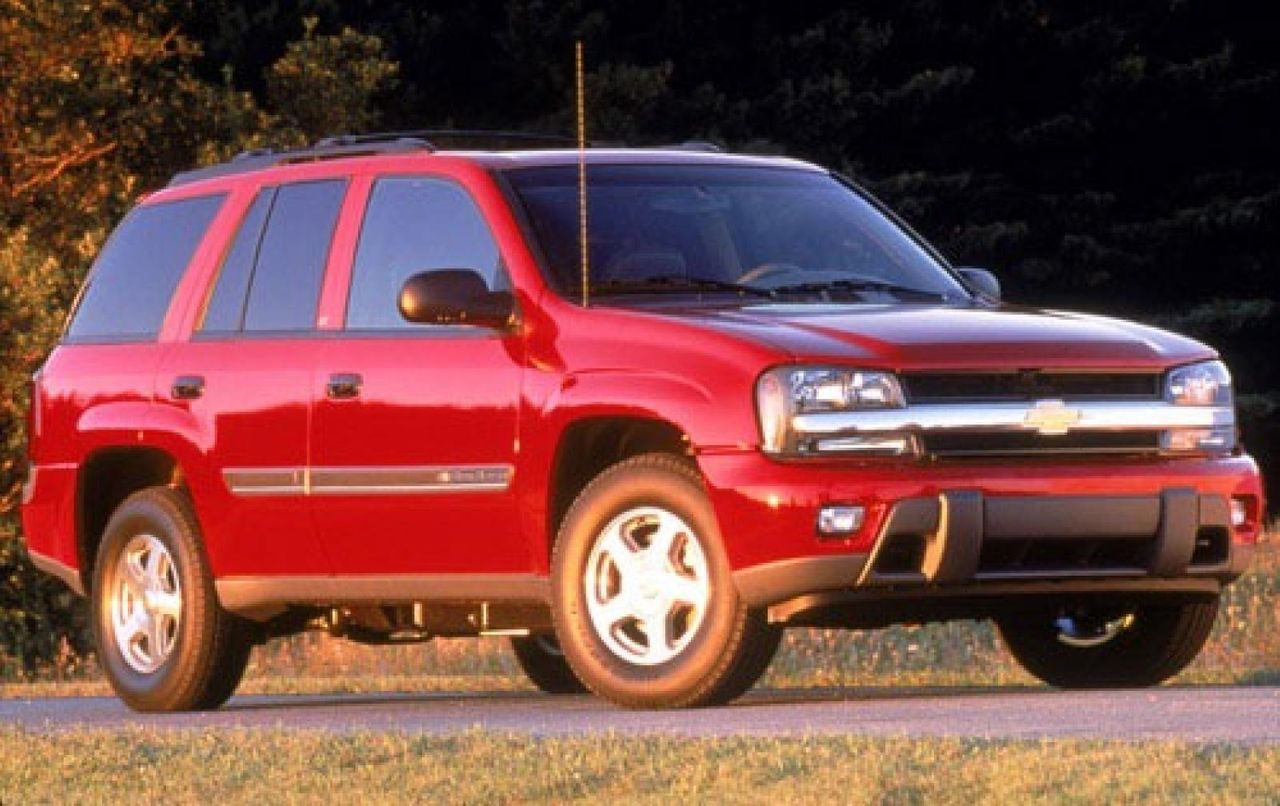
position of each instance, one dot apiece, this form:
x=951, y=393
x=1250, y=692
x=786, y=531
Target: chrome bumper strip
x=1056, y=419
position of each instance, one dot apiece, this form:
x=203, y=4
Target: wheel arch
x=589, y=445
x=108, y=476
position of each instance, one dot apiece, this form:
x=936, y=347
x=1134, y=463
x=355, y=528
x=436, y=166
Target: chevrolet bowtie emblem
x=1051, y=417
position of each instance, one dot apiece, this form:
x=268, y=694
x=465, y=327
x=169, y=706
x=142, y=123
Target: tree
x=100, y=103
x=325, y=85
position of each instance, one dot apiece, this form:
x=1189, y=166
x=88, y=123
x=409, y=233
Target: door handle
x=344, y=386
x=187, y=387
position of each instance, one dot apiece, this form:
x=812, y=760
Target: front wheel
x=1125, y=647
x=644, y=604
x=163, y=640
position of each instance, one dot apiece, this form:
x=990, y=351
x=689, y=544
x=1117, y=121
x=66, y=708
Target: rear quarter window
x=132, y=282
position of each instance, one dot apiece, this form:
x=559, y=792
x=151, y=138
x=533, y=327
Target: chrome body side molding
x=260, y=481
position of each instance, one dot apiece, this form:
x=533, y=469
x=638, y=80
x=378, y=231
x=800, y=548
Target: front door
x=414, y=433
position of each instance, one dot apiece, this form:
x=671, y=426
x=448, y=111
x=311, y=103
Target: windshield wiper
x=666, y=284
x=859, y=285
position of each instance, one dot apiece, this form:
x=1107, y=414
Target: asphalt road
x=1249, y=715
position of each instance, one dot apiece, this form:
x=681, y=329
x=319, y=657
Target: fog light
x=840, y=520
x=1239, y=512
x=891, y=445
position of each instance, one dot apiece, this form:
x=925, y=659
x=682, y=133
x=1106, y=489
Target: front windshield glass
x=783, y=233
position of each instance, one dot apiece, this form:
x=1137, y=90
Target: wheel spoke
x=685, y=590
x=616, y=610
x=163, y=603
x=620, y=553
x=156, y=557
x=137, y=625
x=662, y=541
x=655, y=629
x=135, y=575
x=156, y=638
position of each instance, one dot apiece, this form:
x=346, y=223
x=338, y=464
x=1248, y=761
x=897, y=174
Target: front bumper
x=938, y=526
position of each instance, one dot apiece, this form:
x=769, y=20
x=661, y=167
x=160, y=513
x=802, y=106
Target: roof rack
x=259, y=158
x=363, y=145
x=495, y=136
x=373, y=143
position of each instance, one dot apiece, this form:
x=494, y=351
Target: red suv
x=397, y=392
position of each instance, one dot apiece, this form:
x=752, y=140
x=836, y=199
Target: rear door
x=414, y=438
x=245, y=376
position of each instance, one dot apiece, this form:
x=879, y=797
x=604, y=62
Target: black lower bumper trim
x=963, y=535
x=778, y=581
x=866, y=608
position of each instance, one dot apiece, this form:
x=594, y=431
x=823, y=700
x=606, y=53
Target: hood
x=942, y=337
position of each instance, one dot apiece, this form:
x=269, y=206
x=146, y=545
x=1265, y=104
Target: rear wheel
x=1091, y=647
x=542, y=661
x=163, y=640
x=644, y=604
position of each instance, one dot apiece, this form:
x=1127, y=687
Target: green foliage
x=100, y=102
x=329, y=84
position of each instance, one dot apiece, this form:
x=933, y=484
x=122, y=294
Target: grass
x=280, y=767
x=1245, y=649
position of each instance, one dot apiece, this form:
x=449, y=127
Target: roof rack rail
x=696, y=145
x=259, y=158
x=432, y=135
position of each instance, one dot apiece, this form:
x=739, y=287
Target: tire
x=761, y=644
x=163, y=640
x=672, y=632
x=1131, y=648
x=543, y=663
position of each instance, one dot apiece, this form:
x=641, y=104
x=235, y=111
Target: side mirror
x=454, y=297
x=982, y=281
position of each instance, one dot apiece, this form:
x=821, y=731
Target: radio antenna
x=582, y=175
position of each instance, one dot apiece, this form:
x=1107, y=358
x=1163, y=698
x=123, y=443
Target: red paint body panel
x=255, y=412
x=424, y=402
x=485, y=399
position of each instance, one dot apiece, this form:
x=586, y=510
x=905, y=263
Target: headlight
x=787, y=391
x=1204, y=384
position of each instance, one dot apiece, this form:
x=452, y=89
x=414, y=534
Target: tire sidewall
x=616, y=491
x=141, y=514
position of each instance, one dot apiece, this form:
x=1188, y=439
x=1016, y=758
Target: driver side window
x=415, y=224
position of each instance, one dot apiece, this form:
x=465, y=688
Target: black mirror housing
x=454, y=297
x=982, y=281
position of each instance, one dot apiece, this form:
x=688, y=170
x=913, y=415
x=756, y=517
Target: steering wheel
x=765, y=271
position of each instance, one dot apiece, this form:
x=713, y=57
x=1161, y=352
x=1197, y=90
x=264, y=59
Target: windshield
x=776, y=232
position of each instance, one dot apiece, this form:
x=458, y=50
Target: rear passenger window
x=285, y=287
x=133, y=280
x=411, y=225
x=225, y=311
